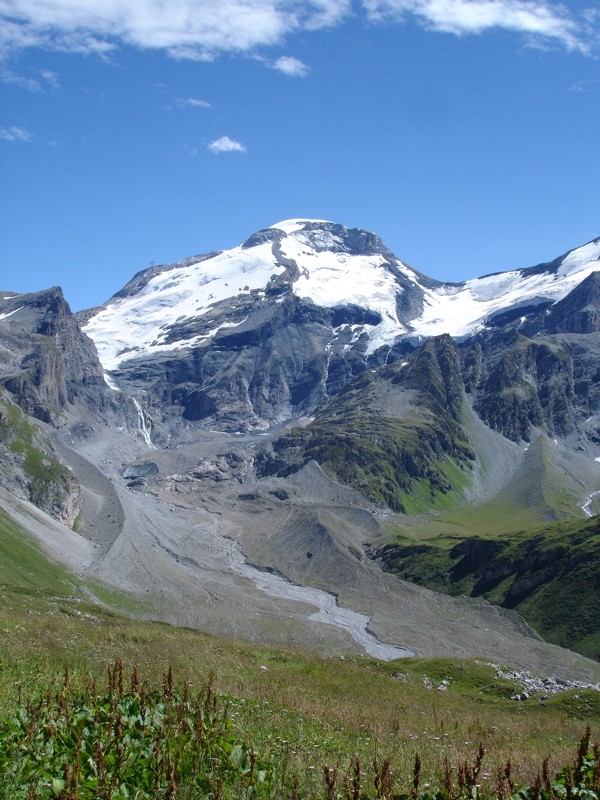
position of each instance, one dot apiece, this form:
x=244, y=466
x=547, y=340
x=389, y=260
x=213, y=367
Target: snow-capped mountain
x=333, y=267
x=341, y=386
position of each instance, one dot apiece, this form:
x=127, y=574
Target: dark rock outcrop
x=579, y=311
x=30, y=467
x=519, y=383
x=47, y=362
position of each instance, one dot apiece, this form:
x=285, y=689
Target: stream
x=587, y=505
x=329, y=613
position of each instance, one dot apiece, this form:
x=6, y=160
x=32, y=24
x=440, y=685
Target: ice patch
x=581, y=257
x=293, y=225
x=10, y=313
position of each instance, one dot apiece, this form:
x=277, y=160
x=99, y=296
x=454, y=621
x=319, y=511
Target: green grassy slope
x=549, y=573
x=23, y=565
x=298, y=709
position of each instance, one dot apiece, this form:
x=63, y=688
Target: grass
x=294, y=710
x=23, y=565
x=134, y=739
x=549, y=573
x=287, y=705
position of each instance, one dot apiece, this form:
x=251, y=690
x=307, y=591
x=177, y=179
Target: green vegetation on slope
x=550, y=574
x=133, y=740
x=48, y=482
x=296, y=711
x=23, y=566
x=393, y=435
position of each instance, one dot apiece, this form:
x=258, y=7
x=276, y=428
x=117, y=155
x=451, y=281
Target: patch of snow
x=10, y=313
x=293, y=225
x=581, y=257
x=333, y=279
x=185, y=292
x=463, y=310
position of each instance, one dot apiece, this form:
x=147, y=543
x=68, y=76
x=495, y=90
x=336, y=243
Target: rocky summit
x=303, y=439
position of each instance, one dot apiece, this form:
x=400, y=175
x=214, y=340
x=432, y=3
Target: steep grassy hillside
x=549, y=573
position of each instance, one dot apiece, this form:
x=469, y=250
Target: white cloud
x=32, y=85
x=15, y=134
x=539, y=20
x=226, y=145
x=204, y=29
x=291, y=66
x=192, y=102
x=51, y=78
x=592, y=85
x=200, y=29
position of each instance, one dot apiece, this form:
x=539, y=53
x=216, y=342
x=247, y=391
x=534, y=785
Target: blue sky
x=466, y=133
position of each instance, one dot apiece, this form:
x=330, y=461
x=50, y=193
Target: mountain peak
x=319, y=262
x=293, y=225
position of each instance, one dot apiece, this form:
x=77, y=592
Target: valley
x=305, y=442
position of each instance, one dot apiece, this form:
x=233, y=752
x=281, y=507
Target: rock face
x=579, y=311
x=520, y=383
x=46, y=362
x=30, y=467
x=49, y=368
x=388, y=431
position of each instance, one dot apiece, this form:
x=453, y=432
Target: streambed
x=329, y=613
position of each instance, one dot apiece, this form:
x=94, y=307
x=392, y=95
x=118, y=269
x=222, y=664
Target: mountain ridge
x=304, y=245
x=299, y=398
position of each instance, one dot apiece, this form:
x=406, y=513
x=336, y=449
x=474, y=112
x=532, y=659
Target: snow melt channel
x=329, y=613
x=586, y=507
x=143, y=427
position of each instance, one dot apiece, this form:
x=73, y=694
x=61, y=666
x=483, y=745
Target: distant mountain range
x=311, y=361
x=314, y=303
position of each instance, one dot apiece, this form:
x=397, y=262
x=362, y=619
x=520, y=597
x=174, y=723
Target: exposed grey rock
x=266, y=235
x=520, y=383
x=30, y=466
x=145, y=470
x=579, y=311
x=233, y=465
x=49, y=363
x=534, y=685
